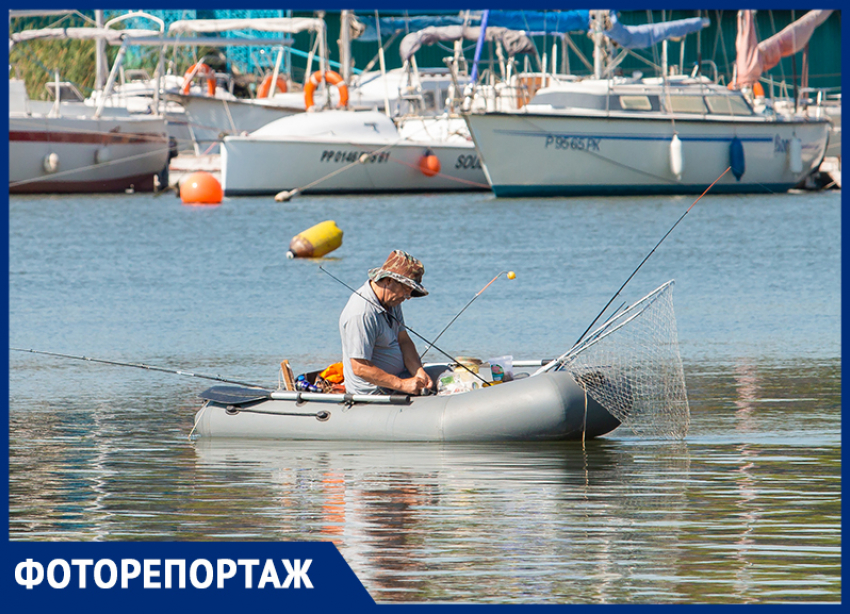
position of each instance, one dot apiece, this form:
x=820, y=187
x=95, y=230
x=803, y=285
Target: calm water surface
x=746, y=509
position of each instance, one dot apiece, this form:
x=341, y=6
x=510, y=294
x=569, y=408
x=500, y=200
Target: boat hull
x=576, y=155
x=252, y=166
x=550, y=406
x=94, y=155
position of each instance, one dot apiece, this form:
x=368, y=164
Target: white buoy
x=795, y=155
x=285, y=195
x=677, y=160
x=51, y=162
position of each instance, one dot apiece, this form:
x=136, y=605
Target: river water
x=747, y=509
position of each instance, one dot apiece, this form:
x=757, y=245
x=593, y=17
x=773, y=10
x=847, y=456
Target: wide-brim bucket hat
x=405, y=269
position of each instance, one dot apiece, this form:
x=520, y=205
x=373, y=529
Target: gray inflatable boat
x=548, y=406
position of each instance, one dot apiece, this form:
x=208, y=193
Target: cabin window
x=635, y=103
x=728, y=105
x=687, y=104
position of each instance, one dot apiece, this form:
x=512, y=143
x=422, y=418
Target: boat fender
x=429, y=164
x=736, y=158
x=316, y=241
x=677, y=161
x=795, y=155
x=51, y=162
x=202, y=71
x=265, y=90
x=102, y=155
x=331, y=78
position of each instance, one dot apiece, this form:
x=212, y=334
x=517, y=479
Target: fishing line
x=616, y=294
x=139, y=366
x=381, y=307
x=511, y=275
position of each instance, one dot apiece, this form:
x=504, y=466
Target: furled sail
x=532, y=22
x=753, y=57
x=646, y=35
x=513, y=41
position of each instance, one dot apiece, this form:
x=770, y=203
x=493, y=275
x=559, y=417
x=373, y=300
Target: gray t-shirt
x=368, y=333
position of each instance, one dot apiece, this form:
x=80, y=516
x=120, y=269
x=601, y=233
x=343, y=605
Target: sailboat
x=68, y=146
x=673, y=134
x=336, y=151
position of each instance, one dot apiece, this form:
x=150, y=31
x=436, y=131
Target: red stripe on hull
x=113, y=138
x=140, y=183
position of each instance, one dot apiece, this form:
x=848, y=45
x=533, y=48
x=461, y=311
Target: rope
x=86, y=168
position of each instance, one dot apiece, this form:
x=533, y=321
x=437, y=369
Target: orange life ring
x=202, y=71
x=265, y=86
x=330, y=77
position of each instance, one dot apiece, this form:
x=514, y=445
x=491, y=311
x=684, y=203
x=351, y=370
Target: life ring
x=202, y=71
x=330, y=77
x=265, y=86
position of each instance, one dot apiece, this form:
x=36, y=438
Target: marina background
x=75, y=59
x=746, y=509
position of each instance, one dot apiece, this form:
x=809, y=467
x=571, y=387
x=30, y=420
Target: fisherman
x=378, y=355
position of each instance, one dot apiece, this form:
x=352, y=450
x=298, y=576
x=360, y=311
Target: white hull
x=326, y=157
x=586, y=154
x=93, y=155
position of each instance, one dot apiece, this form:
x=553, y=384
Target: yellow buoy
x=200, y=189
x=511, y=275
x=315, y=242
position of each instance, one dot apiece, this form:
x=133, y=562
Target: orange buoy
x=429, y=164
x=200, y=189
x=266, y=86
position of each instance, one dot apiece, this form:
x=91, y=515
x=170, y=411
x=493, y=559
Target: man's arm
x=412, y=360
x=366, y=370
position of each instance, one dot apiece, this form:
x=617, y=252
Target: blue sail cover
x=647, y=35
x=549, y=22
x=533, y=22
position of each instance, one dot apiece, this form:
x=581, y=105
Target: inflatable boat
x=548, y=406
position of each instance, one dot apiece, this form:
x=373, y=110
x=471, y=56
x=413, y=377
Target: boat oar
x=511, y=275
x=406, y=327
x=138, y=366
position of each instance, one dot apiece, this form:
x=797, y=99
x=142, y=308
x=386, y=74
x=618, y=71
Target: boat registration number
x=580, y=143
x=334, y=155
x=468, y=161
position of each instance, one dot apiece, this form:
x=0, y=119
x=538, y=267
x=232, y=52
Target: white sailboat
x=67, y=146
x=367, y=151
x=620, y=135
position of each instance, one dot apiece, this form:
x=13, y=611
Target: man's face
x=395, y=293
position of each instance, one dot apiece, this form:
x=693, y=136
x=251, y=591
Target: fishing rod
x=616, y=294
x=381, y=307
x=511, y=275
x=138, y=366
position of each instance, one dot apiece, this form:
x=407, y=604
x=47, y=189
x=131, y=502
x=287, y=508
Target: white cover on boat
x=287, y=25
x=351, y=126
x=513, y=41
x=113, y=37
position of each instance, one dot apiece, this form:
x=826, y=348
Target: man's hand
x=416, y=384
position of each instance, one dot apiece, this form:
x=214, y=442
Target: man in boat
x=378, y=355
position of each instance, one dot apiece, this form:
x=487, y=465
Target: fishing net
x=631, y=366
